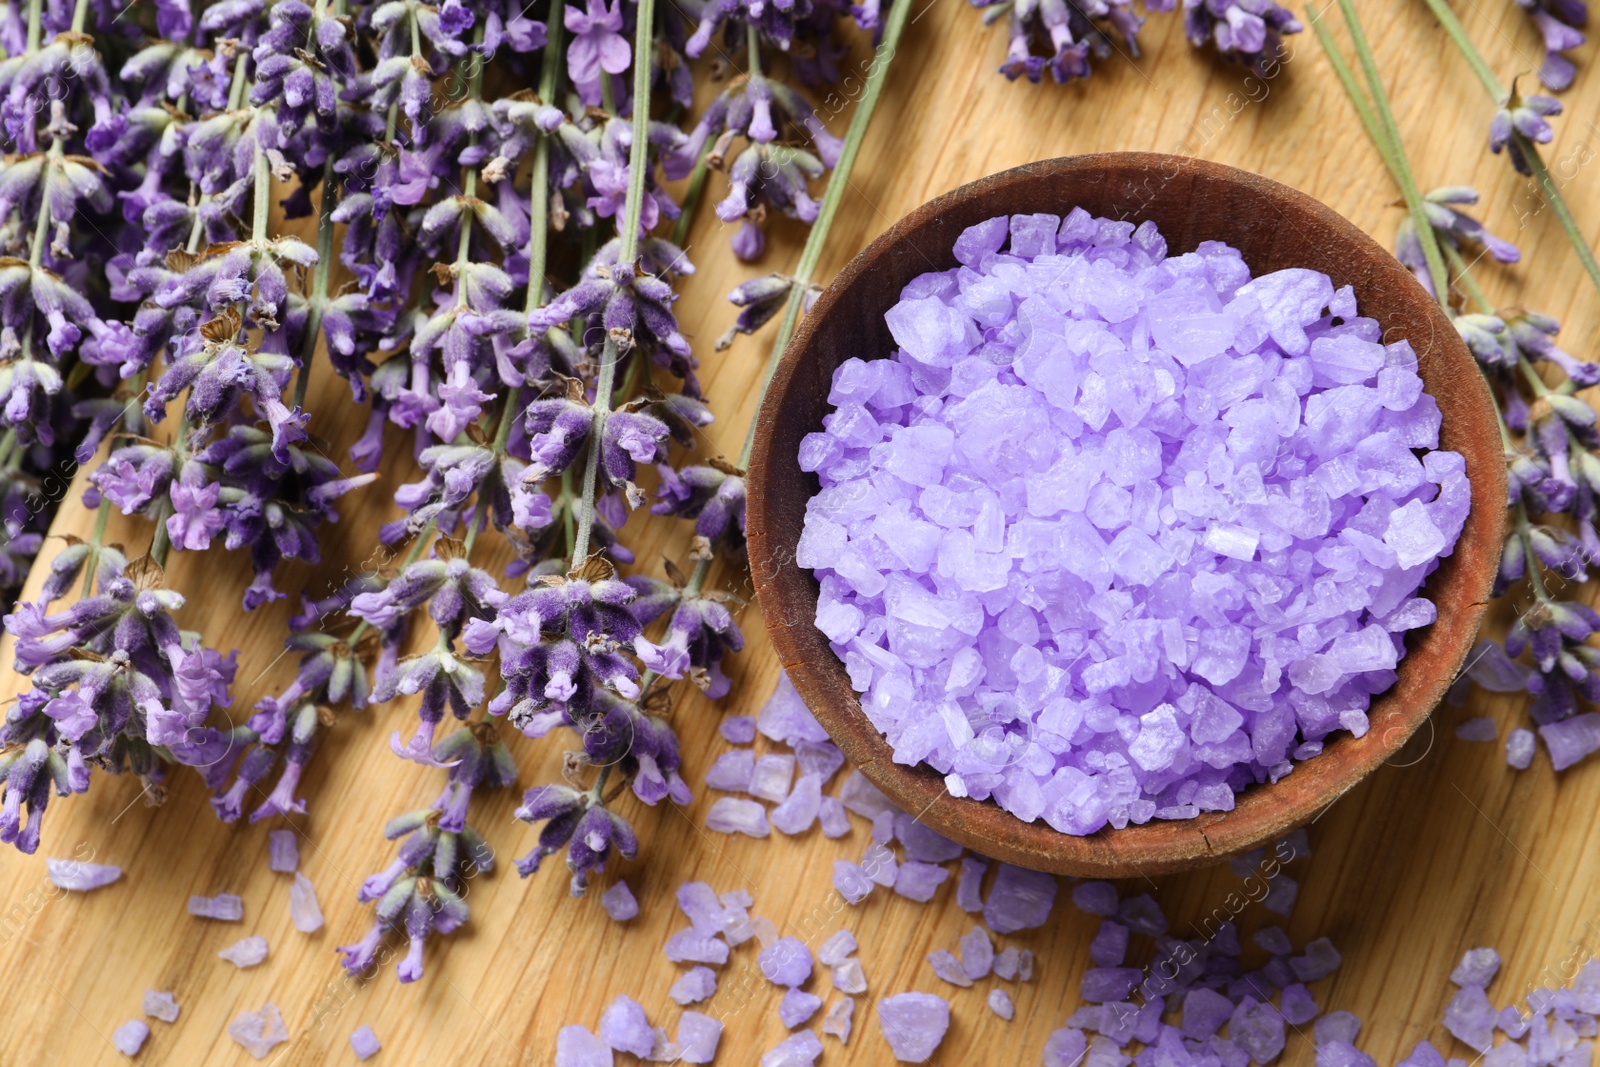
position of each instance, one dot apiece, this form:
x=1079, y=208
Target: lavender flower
x=1524, y=115
x=1560, y=23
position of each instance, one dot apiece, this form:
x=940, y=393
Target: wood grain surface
x=1444, y=850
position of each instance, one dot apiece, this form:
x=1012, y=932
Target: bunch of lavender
x=1064, y=37
x=1552, y=445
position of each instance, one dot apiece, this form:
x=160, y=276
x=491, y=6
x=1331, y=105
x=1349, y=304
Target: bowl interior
x=1190, y=201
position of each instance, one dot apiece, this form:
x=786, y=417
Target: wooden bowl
x=1190, y=201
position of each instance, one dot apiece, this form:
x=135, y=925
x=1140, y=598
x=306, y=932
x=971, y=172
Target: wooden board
x=1448, y=851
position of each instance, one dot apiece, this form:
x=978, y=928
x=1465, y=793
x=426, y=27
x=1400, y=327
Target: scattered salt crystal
x=831, y=814
x=283, y=851
x=259, y=1032
x=698, y=1037
x=786, y=718
x=862, y=797
x=837, y=948
x=364, y=1043
x=1000, y=1003
x=577, y=1047
x=1020, y=899
x=1272, y=939
x=304, y=911
x=1005, y=963
x=619, y=902
x=130, y=1037
x=946, y=966
x=799, y=1050
x=1337, y=1026
x=1479, y=729
x=1066, y=1048
x=800, y=809
x=734, y=815
x=224, y=906
x=922, y=843
x=1025, y=965
x=1478, y=967
x=977, y=953
x=840, y=1019
x=687, y=946
x=914, y=1024
x=770, y=779
x=822, y=760
x=695, y=985
x=849, y=977
x=883, y=827
x=246, y=952
x=851, y=880
x=765, y=929
x=732, y=770
x=1570, y=740
x=1258, y=1029
x=740, y=729
x=625, y=1028
x=1297, y=1005
x=786, y=962
x=1319, y=960
x=1096, y=898
x=918, y=881
x=1470, y=1018
x=701, y=905
x=1110, y=945
x=1102, y=984
x=797, y=1006
x=969, y=887
x=1519, y=748
x=1281, y=895
x=161, y=1006
x=78, y=876
x=1204, y=1012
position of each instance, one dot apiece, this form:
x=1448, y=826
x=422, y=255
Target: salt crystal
x=914, y=1024
x=1096, y=898
x=734, y=815
x=619, y=902
x=1102, y=984
x=246, y=952
x=1000, y=1003
x=1297, y=1005
x=786, y=962
x=259, y=1032
x=304, y=911
x=1258, y=1029
x=698, y=1037
x=839, y=1020
x=740, y=729
x=224, y=906
x=130, y=1037
x=731, y=771
x=1204, y=1012
x=695, y=985
x=969, y=888
x=770, y=779
x=161, y=1006
x=918, y=881
x=283, y=851
x=851, y=880
x=946, y=966
x=78, y=876
x=1470, y=1018
x=922, y=843
x=577, y=1047
x=1319, y=960
x=837, y=948
x=1570, y=740
x=1337, y=1026
x=977, y=953
x=688, y=946
x=1477, y=967
x=862, y=797
x=364, y=1043
x=797, y=1006
x=832, y=817
x=785, y=717
x=799, y=810
x=800, y=1050
x=624, y=1027
x=1479, y=729
x=1020, y=899
x=1067, y=1048
x=1005, y=963
x=1110, y=945
x=849, y=977
x=1519, y=748
x=1025, y=965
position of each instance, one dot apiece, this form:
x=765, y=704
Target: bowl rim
x=1264, y=812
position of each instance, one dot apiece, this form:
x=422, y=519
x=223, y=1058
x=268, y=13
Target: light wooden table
x=1416, y=865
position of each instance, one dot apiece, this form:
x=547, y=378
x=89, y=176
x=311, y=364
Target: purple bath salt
x=923, y=843
x=246, y=952
x=1025, y=965
x=701, y=905
x=1005, y=963
x=1297, y=1005
x=785, y=717
x=1258, y=1029
x=163, y=1006
x=78, y=876
x=969, y=887
x=698, y=1037
x=880, y=865
x=734, y=815
x=913, y=1024
x=731, y=771
x=304, y=911
x=1519, y=748
x=883, y=826
x=838, y=948
x=770, y=778
x=1110, y=945
x=977, y=953
x=800, y=1050
x=1471, y=1018
x=695, y=986
x=1480, y=729
x=1337, y=1026
x=946, y=966
x=840, y=1019
x=1319, y=960
x=1096, y=898
x=1101, y=501
x=1066, y=1048
x=1142, y=915
x=786, y=962
x=619, y=902
x=283, y=851
x=799, y=810
x=130, y=1037
x=832, y=817
x=1204, y=1012
x=1000, y=1003
x=1103, y=984
x=918, y=881
x=364, y=1043
x=851, y=880
x=862, y=797
x=259, y=1032
x=624, y=1026
x=849, y=977
x=577, y=1047
x=1020, y=899
x=688, y=946
x=796, y=1007
x=1570, y=740
x=740, y=729
x=1478, y=967
x=821, y=759
x=224, y=906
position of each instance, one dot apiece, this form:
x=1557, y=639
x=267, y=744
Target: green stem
x=35, y=10
x=838, y=182
x=318, y=301
x=1408, y=184
x=1469, y=51
x=753, y=40
x=1352, y=89
x=239, y=81
x=638, y=164
x=692, y=193
x=1463, y=275
x=1552, y=195
x=91, y=564
x=263, y=203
